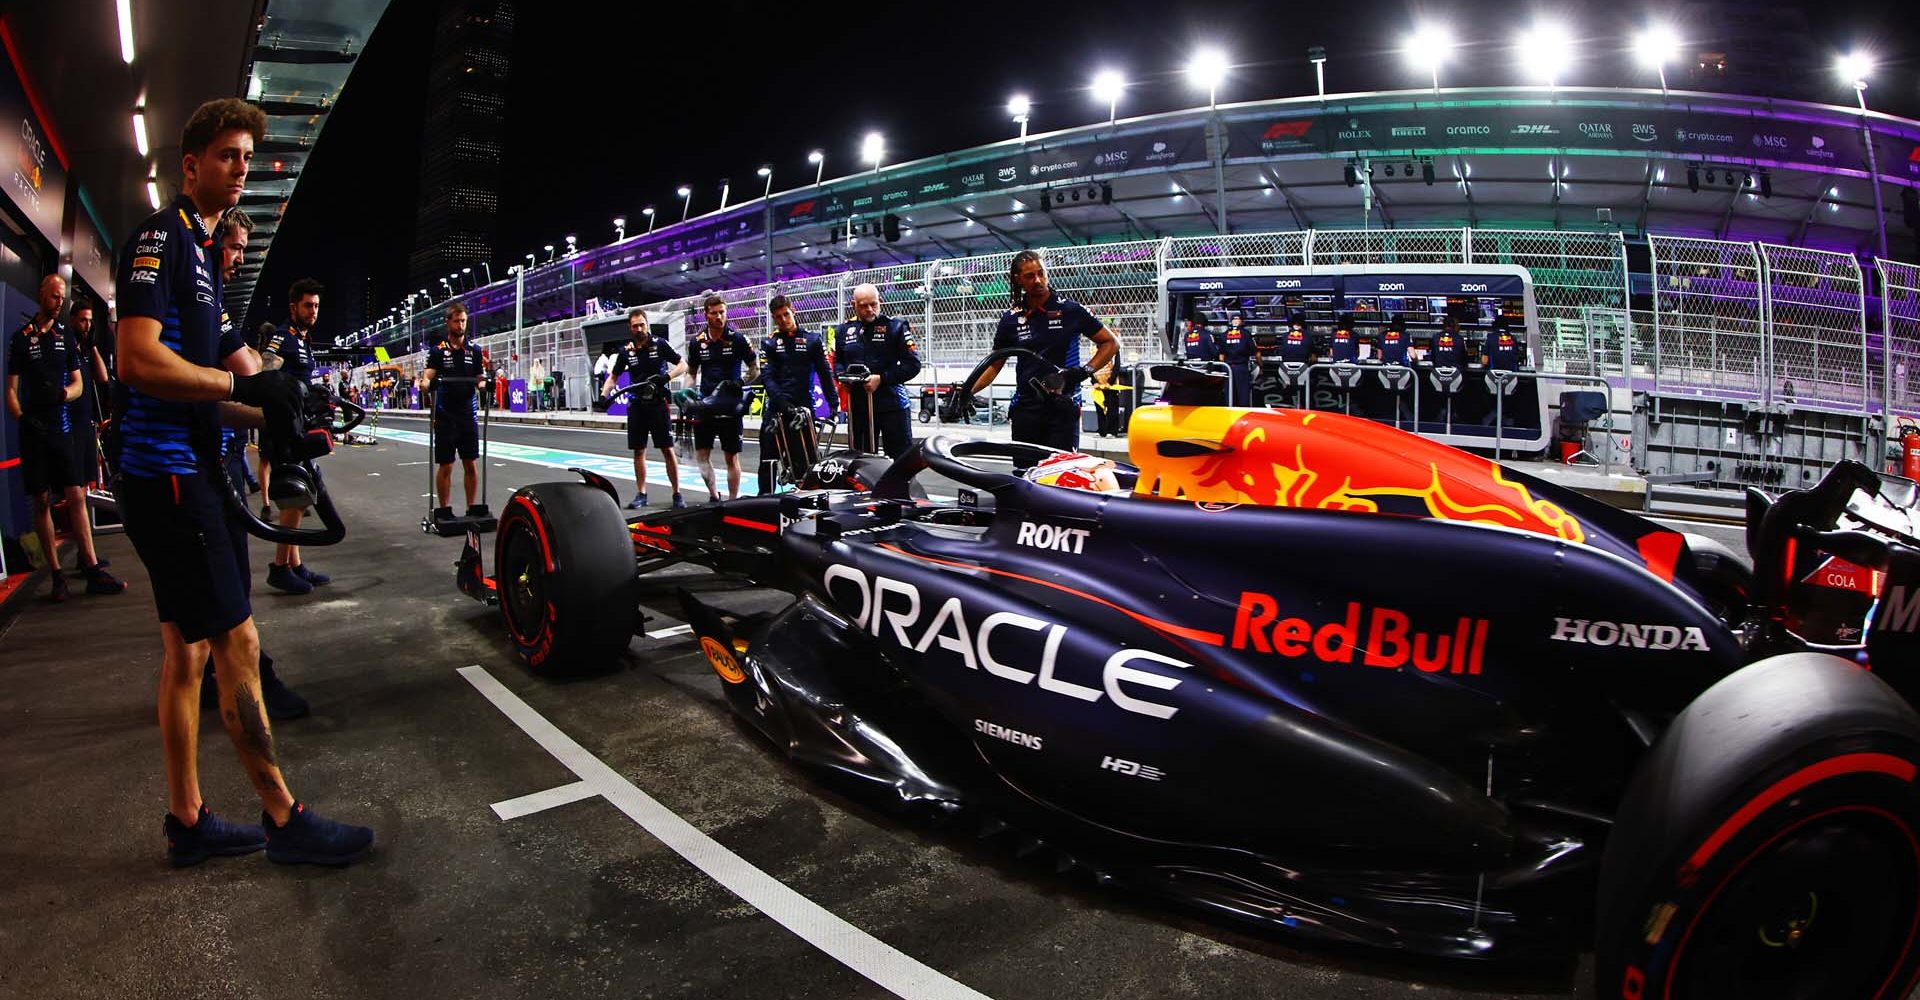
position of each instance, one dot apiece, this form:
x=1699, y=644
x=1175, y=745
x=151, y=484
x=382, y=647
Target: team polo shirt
x=1236, y=344
x=640, y=362
x=294, y=350
x=44, y=359
x=168, y=272
x=791, y=363
x=465, y=361
x=1198, y=345
x=718, y=360
x=1053, y=331
x=1504, y=352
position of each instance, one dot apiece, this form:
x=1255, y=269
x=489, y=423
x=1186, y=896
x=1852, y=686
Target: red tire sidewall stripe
x=1913, y=843
x=543, y=641
x=1832, y=767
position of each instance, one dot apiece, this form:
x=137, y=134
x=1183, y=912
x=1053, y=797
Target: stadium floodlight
x=1428, y=49
x=1020, y=109
x=1108, y=85
x=530, y=262
x=766, y=173
x=819, y=161
x=649, y=213
x=1545, y=50
x=549, y=253
x=1655, y=47
x=1207, y=69
x=873, y=149
x=686, y=200
x=1854, y=68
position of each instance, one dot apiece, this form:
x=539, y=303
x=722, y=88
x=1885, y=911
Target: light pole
x=1854, y=68
x=766, y=174
x=686, y=200
x=1656, y=47
x=1429, y=48
x=572, y=247
x=1317, y=55
x=1020, y=109
x=1108, y=85
x=726, y=187
x=530, y=261
x=648, y=212
x=549, y=249
x=819, y=161
x=619, y=228
x=468, y=271
x=873, y=149
x=1206, y=70
x=448, y=285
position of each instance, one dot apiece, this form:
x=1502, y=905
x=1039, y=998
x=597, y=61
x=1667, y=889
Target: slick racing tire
x=566, y=571
x=1725, y=580
x=1768, y=846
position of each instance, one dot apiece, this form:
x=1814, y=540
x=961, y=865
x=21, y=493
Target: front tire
x=566, y=572
x=1767, y=846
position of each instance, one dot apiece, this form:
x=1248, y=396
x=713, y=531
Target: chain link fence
x=1900, y=338
x=1817, y=321
x=1708, y=317
x=1387, y=246
x=1580, y=293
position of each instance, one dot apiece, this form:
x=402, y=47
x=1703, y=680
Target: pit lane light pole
x=619, y=228
x=1020, y=109
x=766, y=174
x=1317, y=55
x=1207, y=69
x=572, y=245
x=649, y=213
x=873, y=149
x=489, y=269
x=530, y=260
x=819, y=161
x=1854, y=68
x=1657, y=46
x=1428, y=49
x=1545, y=50
x=468, y=271
x=686, y=200
x=1108, y=85
x=549, y=249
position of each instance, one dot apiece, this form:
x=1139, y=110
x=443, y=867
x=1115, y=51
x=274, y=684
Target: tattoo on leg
x=263, y=781
x=253, y=723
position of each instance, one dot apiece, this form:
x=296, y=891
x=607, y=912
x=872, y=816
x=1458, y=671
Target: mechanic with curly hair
x=1052, y=326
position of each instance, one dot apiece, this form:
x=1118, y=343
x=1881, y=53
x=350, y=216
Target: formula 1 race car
x=1314, y=674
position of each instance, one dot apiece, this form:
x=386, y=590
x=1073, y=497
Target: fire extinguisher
x=1910, y=451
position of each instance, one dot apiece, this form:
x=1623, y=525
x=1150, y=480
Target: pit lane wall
x=1747, y=362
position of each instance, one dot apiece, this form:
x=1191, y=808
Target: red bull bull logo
x=1328, y=461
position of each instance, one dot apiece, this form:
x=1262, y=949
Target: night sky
x=612, y=110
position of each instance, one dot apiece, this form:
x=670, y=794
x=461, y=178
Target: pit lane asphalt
x=573, y=901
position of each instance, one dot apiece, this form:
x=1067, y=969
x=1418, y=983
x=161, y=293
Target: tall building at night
x=460, y=143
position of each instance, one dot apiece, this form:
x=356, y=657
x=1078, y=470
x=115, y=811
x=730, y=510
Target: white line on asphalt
x=667, y=633
x=865, y=954
x=527, y=805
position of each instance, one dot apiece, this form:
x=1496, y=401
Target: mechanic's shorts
x=727, y=429
x=650, y=420
x=47, y=461
x=455, y=433
x=195, y=553
x=1051, y=421
x=86, y=451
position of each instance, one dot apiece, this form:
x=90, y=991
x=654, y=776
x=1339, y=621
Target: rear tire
x=1767, y=846
x=566, y=573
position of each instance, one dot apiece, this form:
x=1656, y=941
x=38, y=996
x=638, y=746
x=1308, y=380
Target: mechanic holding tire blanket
x=456, y=411
x=1051, y=326
x=717, y=354
x=791, y=358
x=289, y=350
x=174, y=377
x=885, y=346
x=43, y=377
x=647, y=358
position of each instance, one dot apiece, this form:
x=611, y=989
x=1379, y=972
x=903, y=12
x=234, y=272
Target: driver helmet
x=1076, y=472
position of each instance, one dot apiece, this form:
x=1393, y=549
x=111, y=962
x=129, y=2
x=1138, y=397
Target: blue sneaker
x=639, y=500
x=279, y=577
x=311, y=575
x=209, y=836
x=312, y=839
x=679, y=501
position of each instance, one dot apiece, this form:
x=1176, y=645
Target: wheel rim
x=1826, y=909
x=523, y=582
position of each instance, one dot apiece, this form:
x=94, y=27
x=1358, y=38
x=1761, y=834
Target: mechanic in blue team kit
x=885, y=346
x=291, y=351
x=168, y=409
x=1198, y=343
x=456, y=411
x=43, y=377
x=1051, y=326
x=717, y=354
x=792, y=359
x=86, y=414
x=1236, y=349
x=647, y=358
